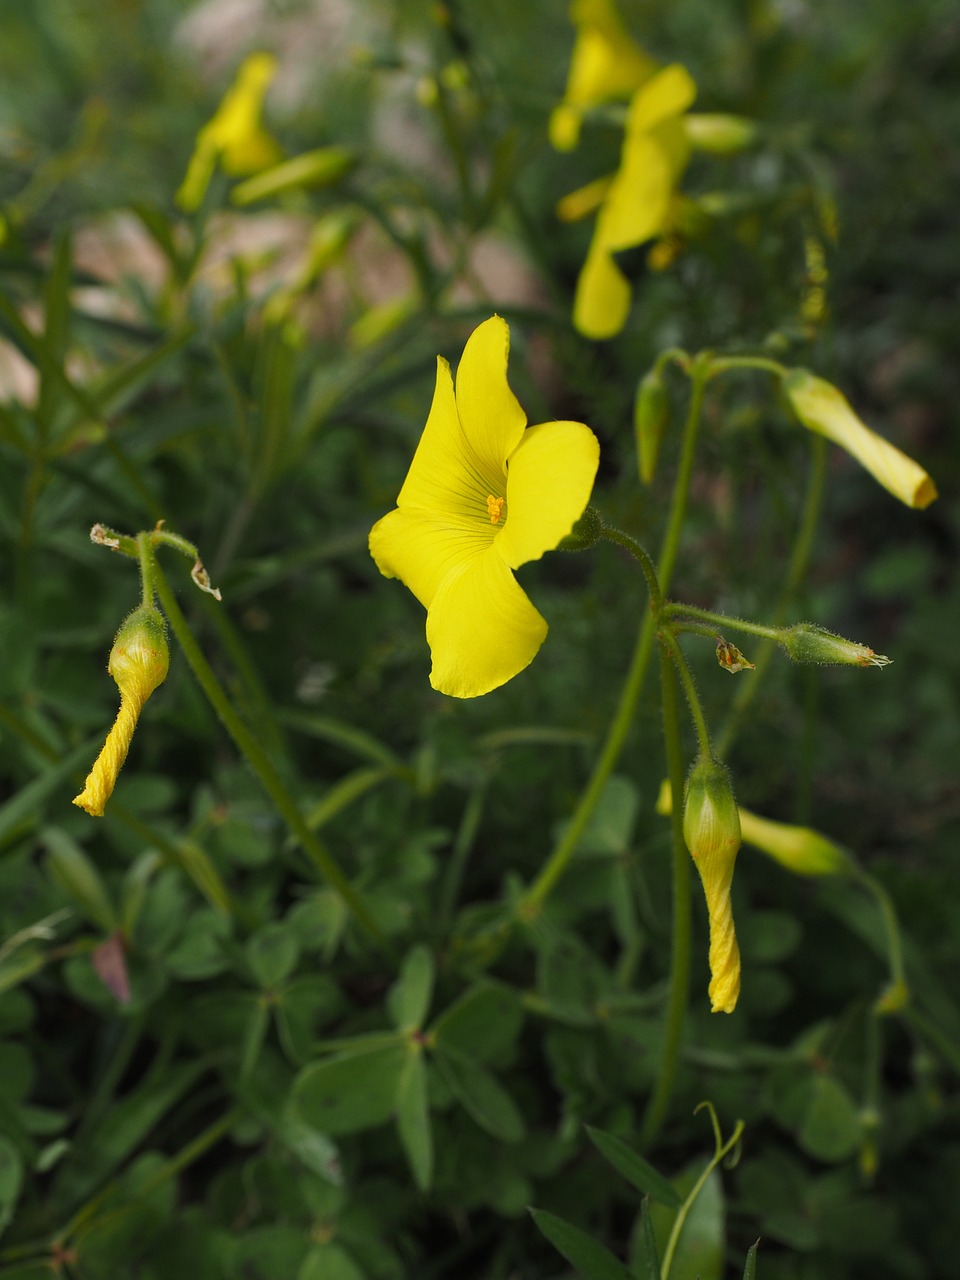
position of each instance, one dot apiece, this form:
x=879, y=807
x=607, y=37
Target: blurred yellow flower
x=138, y=663
x=634, y=206
x=822, y=408
x=484, y=495
x=234, y=136
x=607, y=63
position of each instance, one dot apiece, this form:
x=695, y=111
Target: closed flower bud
x=711, y=830
x=805, y=642
x=722, y=135
x=139, y=661
x=651, y=411
x=799, y=849
x=822, y=408
x=586, y=533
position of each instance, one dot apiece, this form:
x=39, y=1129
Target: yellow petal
x=585, y=200
x=481, y=628
x=602, y=301
x=549, y=478
x=669, y=93
x=639, y=199
x=445, y=478
x=490, y=414
x=421, y=549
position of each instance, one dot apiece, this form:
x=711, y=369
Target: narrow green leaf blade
x=408, y=1000
x=481, y=1096
x=592, y=1259
x=413, y=1119
x=634, y=1168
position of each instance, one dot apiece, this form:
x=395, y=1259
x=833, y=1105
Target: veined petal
x=444, y=478
x=549, y=479
x=481, y=628
x=602, y=301
x=668, y=93
x=490, y=414
x=421, y=549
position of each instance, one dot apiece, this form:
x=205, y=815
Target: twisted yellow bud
x=822, y=408
x=139, y=661
x=711, y=830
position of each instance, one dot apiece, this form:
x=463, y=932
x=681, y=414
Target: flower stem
x=684, y=611
x=668, y=642
x=799, y=559
x=559, y=859
x=659, y=1102
x=258, y=760
x=145, y=552
x=642, y=558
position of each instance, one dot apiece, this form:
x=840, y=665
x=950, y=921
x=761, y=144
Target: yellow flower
x=607, y=63
x=822, y=408
x=138, y=663
x=635, y=205
x=234, y=135
x=484, y=495
x=799, y=849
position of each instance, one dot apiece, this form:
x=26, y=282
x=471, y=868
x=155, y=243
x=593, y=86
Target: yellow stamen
x=494, y=508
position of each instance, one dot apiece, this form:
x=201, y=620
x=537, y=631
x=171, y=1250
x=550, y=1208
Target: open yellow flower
x=634, y=205
x=607, y=63
x=234, y=136
x=484, y=495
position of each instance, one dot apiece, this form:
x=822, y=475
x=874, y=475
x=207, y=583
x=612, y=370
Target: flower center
x=494, y=508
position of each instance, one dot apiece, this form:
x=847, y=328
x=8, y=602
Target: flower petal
x=602, y=301
x=668, y=93
x=549, y=478
x=443, y=477
x=421, y=549
x=481, y=628
x=490, y=413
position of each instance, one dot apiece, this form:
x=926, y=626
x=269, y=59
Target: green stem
x=680, y=949
x=559, y=859
x=642, y=558
x=668, y=641
x=722, y=364
x=799, y=559
x=695, y=1190
x=259, y=761
x=147, y=562
x=684, y=611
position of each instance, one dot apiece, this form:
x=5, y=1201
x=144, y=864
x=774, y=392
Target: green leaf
x=136, y=884
x=272, y=954
x=750, y=1267
x=700, y=1248
x=353, y=1091
x=302, y=1009
x=11, y=1179
x=73, y=871
x=484, y=1023
x=644, y=1257
x=480, y=1095
x=593, y=1260
x=21, y=810
x=329, y=1262
x=830, y=1125
x=634, y=1168
x=408, y=1000
x=413, y=1119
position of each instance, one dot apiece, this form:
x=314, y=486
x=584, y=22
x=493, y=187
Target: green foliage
x=305, y=1002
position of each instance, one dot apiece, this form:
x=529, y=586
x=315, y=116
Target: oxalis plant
x=328, y=994
x=485, y=494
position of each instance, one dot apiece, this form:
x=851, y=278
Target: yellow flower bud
x=139, y=661
x=799, y=849
x=722, y=135
x=711, y=829
x=822, y=408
